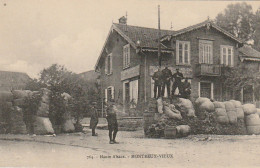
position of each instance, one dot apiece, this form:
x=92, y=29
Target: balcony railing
x=208, y=70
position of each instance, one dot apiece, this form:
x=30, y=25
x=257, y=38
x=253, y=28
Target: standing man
x=166, y=78
x=186, y=89
x=178, y=76
x=112, y=122
x=94, y=118
x=157, y=77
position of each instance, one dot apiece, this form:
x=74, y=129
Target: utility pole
x=159, y=38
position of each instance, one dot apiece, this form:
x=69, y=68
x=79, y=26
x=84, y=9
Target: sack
x=232, y=117
x=6, y=96
x=229, y=106
x=21, y=94
x=252, y=120
x=223, y=119
x=160, y=105
x=191, y=113
x=19, y=102
x=43, y=125
x=183, y=130
x=218, y=104
x=207, y=106
x=249, y=109
x=170, y=132
x=186, y=107
x=221, y=112
x=253, y=130
x=240, y=113
x=172, y=114
x=236, y=103
x=258, y=111
x=68, y=126
x=17, y=121
x=201, y=100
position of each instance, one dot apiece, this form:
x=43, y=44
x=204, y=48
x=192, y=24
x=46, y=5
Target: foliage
x=238, y=20
x=256, y=25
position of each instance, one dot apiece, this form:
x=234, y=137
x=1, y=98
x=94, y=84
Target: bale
x=160, y=105
x=183, y=130
x=258, y=111
x=236, y=103
x=249, y=109
x=17, y=123
x=43, y=125
x=207, y=106
x=6, y=96
x=253, y=130
x=232, y=117
x=191, y=113
x=19, y=102
x=185, y=106
x=218, y=104
x=221, y=112
x=223, y=119
x=252, y=120
x=240, y=113
x=172, y=114
x=229, y=106
x=21, y=94
x=68, y=126
x=201, y=100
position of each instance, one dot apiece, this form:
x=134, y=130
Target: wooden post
x=242, y=95
x=159, y=38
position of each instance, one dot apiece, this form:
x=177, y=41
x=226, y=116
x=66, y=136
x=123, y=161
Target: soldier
x=166, y=78
x=157, y=77
x=94, y=118
x=186, y=89
x=112, y=122
x=178, y=76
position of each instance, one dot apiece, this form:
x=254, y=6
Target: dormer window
x=182, y=52
x=126, y=56
x=227, y=55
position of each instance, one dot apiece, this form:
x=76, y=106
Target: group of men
x=111, y=120
x=163, y=79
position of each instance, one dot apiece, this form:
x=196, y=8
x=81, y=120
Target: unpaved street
x=83, y=150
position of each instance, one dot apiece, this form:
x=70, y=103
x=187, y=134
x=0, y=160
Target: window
x=126, y=56
x=206, y=89
x=227, y=55
x=108, y=64
x=183, y=52
x=109, y=93
x=205, y=52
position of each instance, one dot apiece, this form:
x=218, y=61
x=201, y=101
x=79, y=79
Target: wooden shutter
x=112, y=92
x=188, y=52
x=105, y=95
x=106, y=65
x=177, y=52
x=232, y=57
x=128, y=55
x=200, y=52
x=221, y=55
x=211, y=54
x=111, y=64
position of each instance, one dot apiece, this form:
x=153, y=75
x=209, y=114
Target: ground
x=83, y=150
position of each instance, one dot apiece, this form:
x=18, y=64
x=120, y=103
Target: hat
x=177, y=69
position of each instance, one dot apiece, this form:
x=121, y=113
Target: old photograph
x=129, y=83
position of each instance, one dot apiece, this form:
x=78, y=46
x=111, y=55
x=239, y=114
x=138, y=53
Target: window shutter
x=124, y=56
x=232, y=57
x=200, y=52
x=177, y=52
x=106, y=63
x=113, y=92
x=211, y=54
x=111, y=63
x=128, y=55
x=221, y=55
x=105, y=95
x=188, y=52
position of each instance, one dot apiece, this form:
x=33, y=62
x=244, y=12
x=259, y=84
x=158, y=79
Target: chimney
x=123, y=20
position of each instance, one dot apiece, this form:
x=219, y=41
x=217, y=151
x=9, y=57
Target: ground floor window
x=109, y=93
x=130, y=96
x=206, y=89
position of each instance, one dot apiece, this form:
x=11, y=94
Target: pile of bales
x=182, y=117
x=14, y=115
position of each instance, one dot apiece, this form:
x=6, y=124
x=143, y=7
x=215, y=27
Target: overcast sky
x=37, y=33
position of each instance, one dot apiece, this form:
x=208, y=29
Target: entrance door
x=127, y=96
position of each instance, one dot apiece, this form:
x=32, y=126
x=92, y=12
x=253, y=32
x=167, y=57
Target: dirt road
x=83, y=150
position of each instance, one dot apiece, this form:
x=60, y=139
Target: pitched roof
x=148, y=37
x=13, y=80
x=248, y=53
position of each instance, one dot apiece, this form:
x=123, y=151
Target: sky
x=35, y=34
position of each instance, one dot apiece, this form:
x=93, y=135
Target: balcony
x=208, y=70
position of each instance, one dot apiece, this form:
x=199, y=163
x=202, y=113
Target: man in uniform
x=157, y=77
x=178, y=76
x=166, y=78
x=186, y=89
x=112, y=122
x=94, y=118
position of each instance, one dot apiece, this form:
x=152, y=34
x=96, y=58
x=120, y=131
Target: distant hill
x=13, y=80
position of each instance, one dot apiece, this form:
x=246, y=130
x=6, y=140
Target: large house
x=129, y=58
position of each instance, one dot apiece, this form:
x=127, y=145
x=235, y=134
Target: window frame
x=183, y=43
x=126, y=56
x=227, y=47
x=206, y=54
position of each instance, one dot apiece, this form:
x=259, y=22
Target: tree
x=256, y=25
x=238, y=20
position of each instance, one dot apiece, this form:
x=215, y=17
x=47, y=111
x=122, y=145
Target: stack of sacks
x=252, y=119
x=231, y=112
x=42, y=125
x=6, y=97
x=18, y=125
x=204, y=105
x=221, y=112
x=186, y=107
x=20, y=96
x=171, y=111
x=160, y=105
x=43, y=110
x=239, y=109
x=68, y=125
